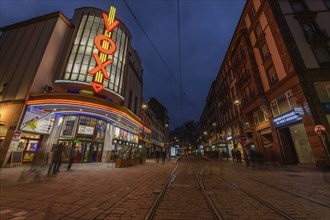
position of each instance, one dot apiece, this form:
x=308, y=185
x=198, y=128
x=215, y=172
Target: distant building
x=273, y=86
x=69, y=81
x=156, y=118
x=186, y=137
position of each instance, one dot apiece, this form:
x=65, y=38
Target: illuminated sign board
x=37, y=121
x=106, y=47
x=290, y=117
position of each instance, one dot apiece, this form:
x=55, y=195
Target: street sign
x=319, y=129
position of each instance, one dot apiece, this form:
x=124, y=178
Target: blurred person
x=163, y=156
x=72, y=155
x=57, y=159
x=157, y=155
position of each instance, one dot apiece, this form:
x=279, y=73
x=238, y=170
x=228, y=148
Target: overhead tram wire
x=180, y=66
x=162, y=59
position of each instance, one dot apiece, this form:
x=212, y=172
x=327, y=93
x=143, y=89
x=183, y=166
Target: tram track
x=186, y=170
x=280, y=212
x=287, y=204
x=286, y=191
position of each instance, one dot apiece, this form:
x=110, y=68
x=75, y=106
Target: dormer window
x=298, y=6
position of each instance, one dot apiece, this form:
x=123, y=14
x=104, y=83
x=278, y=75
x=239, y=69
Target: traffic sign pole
x=320, y=131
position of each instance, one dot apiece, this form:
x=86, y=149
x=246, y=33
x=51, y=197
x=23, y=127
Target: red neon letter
x=97, y=41
x=100, y=66
x=108, y=26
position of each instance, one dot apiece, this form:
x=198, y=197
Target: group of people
x=56, y=162
x=236, y=154
x=159, y=154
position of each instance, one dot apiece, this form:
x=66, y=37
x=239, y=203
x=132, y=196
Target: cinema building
x=69, y=81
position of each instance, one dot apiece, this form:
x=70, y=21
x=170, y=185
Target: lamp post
x=237, y=102
x=166, y=136
x=214, y=137
x=144, y=106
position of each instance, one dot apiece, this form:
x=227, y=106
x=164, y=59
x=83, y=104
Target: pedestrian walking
x=72, y=155
x=157, y=155
x=57, y=159
x=233, y=154
x=163, y=157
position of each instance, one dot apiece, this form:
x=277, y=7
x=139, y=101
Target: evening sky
x=206, y=29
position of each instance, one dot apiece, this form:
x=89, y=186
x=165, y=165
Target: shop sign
x=106, y=47
x=85, y=130
x=326, y=106
x=37, y=121
x=290, y=117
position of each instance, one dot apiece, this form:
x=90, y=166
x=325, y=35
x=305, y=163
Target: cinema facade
x=69, y=81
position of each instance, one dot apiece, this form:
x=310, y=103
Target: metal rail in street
x=286, y=191
x=259, y=199
x=156, y=203
x=198, y=178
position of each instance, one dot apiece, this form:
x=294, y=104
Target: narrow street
x=101, y=191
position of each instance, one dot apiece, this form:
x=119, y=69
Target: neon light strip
x=88, y=104
x=57, y=106
x=98, y=116
x=84, y=83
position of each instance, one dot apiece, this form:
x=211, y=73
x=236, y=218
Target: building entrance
x=295, y=144
x=86, y=151
x=290, y=155
x=91, y=152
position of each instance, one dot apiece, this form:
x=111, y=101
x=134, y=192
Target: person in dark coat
x=157, y=155
x=58, y=158
x=163, y=157
x=233, y=154
x=72, y=151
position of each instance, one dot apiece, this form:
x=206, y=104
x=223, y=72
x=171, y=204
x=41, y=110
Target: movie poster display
x=121, y=134
x=37, y=121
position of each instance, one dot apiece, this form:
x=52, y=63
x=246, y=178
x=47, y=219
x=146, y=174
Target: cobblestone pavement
x=275, y=186
x=101, y=191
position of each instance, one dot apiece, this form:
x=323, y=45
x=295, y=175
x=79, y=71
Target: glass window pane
x=322, y=55
x=298, y=6
x=283, y=104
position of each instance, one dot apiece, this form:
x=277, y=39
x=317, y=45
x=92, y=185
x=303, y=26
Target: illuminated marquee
x=106, y=47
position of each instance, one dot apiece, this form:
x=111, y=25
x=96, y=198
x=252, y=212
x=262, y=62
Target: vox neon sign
x=106, y=46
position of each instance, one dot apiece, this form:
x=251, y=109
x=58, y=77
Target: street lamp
x=144, y=106
x=237, y=102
